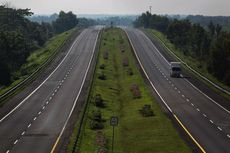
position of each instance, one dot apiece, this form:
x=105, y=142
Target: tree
x=65, y=21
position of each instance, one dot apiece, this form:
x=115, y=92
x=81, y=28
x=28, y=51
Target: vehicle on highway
x=175, y=69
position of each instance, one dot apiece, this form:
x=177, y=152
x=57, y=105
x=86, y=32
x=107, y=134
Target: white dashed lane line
x=23, y=133
x=211, y=121
x=29, y=126
x=204, y=115
x=219, y=128
x=15, y=142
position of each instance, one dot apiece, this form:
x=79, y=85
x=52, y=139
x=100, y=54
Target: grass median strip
x=119, y=90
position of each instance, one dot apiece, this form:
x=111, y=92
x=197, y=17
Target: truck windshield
x=176, y=69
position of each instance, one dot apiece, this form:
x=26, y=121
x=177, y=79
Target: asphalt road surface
x=207, y=122
x=39, y=120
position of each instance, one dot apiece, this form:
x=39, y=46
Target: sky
x=185, y=7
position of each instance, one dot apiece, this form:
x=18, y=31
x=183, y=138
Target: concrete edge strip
x=15, y=108
x=75, y=101
x=200, y=75
x=177, y=119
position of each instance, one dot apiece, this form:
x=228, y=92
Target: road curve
x=206, y=121
x=37, y=122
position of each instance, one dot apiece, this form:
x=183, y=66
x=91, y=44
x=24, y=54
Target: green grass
x=38, y=57
x=199, y=66
x=134, y=133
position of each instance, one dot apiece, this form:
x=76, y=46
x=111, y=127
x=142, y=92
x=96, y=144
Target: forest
x=211, y=44
x=19, y=37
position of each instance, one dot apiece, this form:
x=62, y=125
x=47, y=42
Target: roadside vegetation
x=20, y=37
x=26, y=45
x=206, y=50
x=118, y=89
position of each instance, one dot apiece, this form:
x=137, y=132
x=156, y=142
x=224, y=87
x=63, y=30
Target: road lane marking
x=190, y=135
x=7, y=151
x=211, y=121
x=23, y=133
x=15, y=142
x=219, y=128
x=50, y=98
x=35, y=118
x=29, y=126
x=198, y=109
x=39, y=113
x=192, y=104
x=178, y=91
x=187, y=100
x=75, y=102
x=204, y=115
x=43, y=107
x=15, y=108
x=228, y=135
x=207, y=96
x=183, y=96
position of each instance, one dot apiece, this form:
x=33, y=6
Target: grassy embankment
x=38, y=57
x=134, y=133
x=199, y=66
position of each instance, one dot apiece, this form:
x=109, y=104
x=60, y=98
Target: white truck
x=175, y=69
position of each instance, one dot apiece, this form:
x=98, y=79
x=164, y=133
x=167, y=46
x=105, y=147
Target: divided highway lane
x=207, y=122
x=40, y=119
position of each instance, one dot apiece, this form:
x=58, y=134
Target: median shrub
x=102, y=76
x=106, y=55
x=125, y=62
x=146, y=111
x=102, y=66
x=134, y=88
x=96, y=121
x=98, y=101
x=101, y=141
x=130, y=71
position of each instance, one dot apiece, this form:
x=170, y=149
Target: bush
x=95, y=125
x=98, y=101
x=101, y=142
x=96, y=122
x=125, y=62
x=102, y=76
x=135, y=91
x=130, y=71
x=106, y=55
x=147, y=111
x=102, y=66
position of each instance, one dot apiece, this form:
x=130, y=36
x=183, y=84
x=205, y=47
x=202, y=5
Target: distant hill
x=224, y=21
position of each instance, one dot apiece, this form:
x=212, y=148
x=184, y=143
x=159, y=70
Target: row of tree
x=211, y=45
x=19, y=37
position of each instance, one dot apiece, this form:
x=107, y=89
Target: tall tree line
x=19, y=37
x=211, y=45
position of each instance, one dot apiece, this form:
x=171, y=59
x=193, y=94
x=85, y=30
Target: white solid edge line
x=147, y=74
x=187, y=79
x=203, y=77
x=75, y=101
x=207, y=96
x=76, y=41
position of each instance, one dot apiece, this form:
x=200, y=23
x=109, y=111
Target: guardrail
x=31, y=77
x=194, y=71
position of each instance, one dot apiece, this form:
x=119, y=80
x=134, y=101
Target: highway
x=207, y=123
x=37, y=123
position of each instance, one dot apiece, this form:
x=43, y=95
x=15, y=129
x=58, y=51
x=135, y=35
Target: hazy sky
x=204, y=7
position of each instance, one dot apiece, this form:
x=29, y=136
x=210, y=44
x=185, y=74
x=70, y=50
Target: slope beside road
x=39, y=120
x=207, y=123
